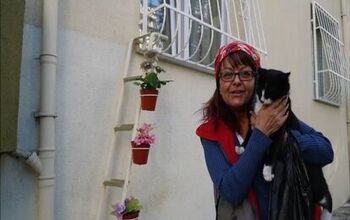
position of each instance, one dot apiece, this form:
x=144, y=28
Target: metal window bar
x=331, y=75
x=180, y=24
x=195, y=35
x=211, y=35
x=187, y=23
x=201, y=35
x=236, y=18
x=249, y=20
x=243, y=16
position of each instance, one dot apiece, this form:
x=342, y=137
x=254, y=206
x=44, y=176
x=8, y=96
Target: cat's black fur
x=275, y=85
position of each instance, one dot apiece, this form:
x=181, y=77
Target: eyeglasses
x=243, y=75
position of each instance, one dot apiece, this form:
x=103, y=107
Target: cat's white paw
x=239, y=150
x=267, y=172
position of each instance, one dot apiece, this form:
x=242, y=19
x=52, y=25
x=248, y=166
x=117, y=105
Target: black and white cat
x=272, y=85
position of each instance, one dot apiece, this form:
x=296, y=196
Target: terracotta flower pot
x=131, y=216
x=148, y=99
x=140, y=153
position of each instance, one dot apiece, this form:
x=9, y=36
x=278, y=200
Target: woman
x=240, y=189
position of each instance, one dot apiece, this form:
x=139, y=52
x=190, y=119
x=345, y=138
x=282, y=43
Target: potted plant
x=128, y=209
x=141, y=144
x=150, y=83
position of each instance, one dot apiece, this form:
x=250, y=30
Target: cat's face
x=272, y=85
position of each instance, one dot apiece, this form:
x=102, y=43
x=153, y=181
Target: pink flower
x=144, y=136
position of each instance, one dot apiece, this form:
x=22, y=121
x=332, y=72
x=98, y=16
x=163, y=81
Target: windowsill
x=186, y=64
x=327, y=102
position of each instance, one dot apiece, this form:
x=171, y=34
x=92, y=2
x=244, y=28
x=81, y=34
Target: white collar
x=239, y=138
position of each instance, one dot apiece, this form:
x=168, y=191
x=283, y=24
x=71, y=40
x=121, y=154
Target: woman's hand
x=271, y=117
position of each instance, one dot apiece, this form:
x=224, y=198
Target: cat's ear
x=287, y=74
x=261, y=71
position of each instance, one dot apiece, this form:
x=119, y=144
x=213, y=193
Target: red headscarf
x=234, y=47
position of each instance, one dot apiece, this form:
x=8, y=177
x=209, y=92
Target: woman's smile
x=237, y=93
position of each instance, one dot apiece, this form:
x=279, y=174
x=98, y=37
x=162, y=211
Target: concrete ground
x=342, y=213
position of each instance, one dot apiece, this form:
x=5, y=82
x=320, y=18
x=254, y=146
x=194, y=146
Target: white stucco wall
x=92, y=45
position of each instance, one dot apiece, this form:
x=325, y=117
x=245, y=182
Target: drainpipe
x=30, y=158
x=47, y=110
x=346, y=32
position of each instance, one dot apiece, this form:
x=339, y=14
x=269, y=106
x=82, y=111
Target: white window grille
x=196, y=29
x=330, y=76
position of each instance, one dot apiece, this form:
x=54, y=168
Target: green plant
x=150, y=79
x=129, y=206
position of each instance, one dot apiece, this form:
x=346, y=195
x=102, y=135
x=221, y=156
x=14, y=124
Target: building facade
x=94, y=48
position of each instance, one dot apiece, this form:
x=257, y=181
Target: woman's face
x=236, y=93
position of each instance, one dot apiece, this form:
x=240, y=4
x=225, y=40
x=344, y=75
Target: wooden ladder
x=111, y=181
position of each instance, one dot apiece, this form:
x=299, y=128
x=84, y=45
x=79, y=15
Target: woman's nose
x=236, y=79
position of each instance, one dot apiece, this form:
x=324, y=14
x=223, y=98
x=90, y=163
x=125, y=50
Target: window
x=195, y=29
x=329, y=60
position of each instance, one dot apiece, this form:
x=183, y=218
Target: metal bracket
x=150, y=45
x=44, y=114
x=114, y=182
